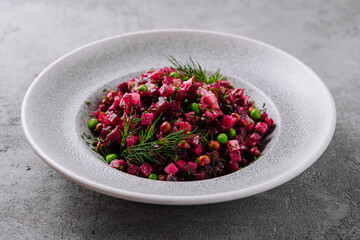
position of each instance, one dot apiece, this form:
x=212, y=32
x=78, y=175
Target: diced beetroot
x=238, y=93
x=105, y=131
x=166, y=90
x=211, y=114
x=241, y=134
x=171, y=169
x=215, y=105
x=101, y=117
x=130, y=98
x=203, y=106
x=182, y=165
x=115, y=163
x=132, y=140
x=115, y=104
x=235, y=155
x=209, y=97
x=102, y=108
x=191, y=117
x=123, y=88
x=261, y=127
x=113, y=119
x=119, y=164
x=131, y=84
x=195, y=141
x=269, y=122
x=214, y=156
x=146, y=169
x=255, y=137
x=188, y=82
x=175, y=105
x=185, y=125
x=168, y=70
x=250, y=126
x=263, y=116
x=160, y=106
x=97, y=112
x=254, y=151
x=110, y=95
x=232, y=166
x=133, y=169
x=243, y=122
x=114, y=136
x=177, y=82
x=180, y=93
x=200, y=176
x=147, y=118
x=249, y=143
x=246, y=99
x=219, y=168
x=198, y=150
x=192, y=166
x=233, y=145
x=229, y=121
x=243, y=147
x=158, y=74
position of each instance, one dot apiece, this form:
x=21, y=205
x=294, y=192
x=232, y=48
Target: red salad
x=179, y=124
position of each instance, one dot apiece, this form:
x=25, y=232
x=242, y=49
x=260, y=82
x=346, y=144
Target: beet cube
x=233, y=145
x=147, y=118
x=229, y=121
x=192, y=167
x=182, y=165
x=195, y=141
x=123, y=88
x=134, y=170
x=198, y=150
x=200, y=176
x=171, y=169
x=132, y=140
x=261, y=127
x=185, y=125
x=232, y=166
x=119, y=164
x=146, y=169
x=235, y=155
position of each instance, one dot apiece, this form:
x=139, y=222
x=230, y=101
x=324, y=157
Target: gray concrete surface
x=322, y=203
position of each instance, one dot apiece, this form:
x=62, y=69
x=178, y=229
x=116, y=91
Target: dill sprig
x=164, y=148
x=192, y=69
x=129, y=128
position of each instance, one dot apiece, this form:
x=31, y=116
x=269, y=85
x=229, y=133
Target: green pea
x=92, y=123
x=152, y=176
x=186, y=101
x=110, y=157
x=195, y=107
x=231, y=133
x=142, y=88
x=174, y=74
x=255, y=114
x=222, y=138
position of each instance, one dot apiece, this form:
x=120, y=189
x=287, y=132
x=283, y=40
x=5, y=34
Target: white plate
x=54, y=114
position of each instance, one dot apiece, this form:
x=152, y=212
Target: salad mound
x=179, y=124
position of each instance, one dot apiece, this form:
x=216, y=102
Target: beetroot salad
x=179, y=124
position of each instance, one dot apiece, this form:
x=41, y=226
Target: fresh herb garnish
x=87, y=103
x=154, y=151
x=192, y=69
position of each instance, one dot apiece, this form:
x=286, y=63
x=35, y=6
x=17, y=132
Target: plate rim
x=179, y=200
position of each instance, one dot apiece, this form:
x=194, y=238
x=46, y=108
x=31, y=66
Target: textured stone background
x=322, y=203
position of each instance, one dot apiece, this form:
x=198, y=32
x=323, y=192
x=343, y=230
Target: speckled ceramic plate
x=54, y=114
